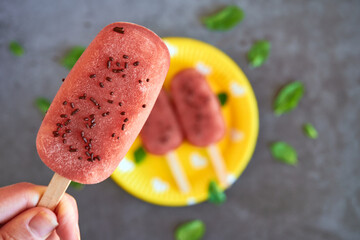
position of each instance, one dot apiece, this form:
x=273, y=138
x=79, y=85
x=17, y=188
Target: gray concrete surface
x=316, y=42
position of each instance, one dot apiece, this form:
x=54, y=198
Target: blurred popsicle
x=162, y=134
x=199, y=112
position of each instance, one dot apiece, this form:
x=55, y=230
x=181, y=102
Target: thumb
x=35, y=223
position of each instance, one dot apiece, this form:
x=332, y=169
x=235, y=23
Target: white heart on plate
x=159, y=185
x=236, y=135
x=172, y=49
x=197, y=161
x=191, y=201
x=202, y=68
x=237, y=90
x=126, y=165
x=230, y=179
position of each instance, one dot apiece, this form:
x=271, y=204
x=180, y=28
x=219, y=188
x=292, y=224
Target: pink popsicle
x=103, y=103
x=199, y=112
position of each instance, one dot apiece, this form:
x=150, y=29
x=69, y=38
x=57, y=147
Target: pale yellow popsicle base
x=218, y=164
x=54, y=192
x=178, y=172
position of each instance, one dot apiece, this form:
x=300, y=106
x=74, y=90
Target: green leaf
x=284, y=153
x=72, y=56
x=16, y=48
x=139, y=155
x=223, y=97
x=225, y=19
x=288, y=97
x=310, y=131
x=76, y=185
x=259, y=53
x=42, y=104
x=192, y=230
x=216, y=195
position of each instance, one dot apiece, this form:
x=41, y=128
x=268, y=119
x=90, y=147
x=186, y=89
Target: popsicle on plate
x=103, y=103
x=199, y=113
x=162, y=134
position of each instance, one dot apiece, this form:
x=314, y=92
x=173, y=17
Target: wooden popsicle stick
x=54, y=192
x=178, y=172
x=218, y=164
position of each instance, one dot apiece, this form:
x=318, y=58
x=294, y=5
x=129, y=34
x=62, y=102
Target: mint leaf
x=139, y=155
x=16, y=48
x=284, y=153
x=259, y=53
x=192, y=230
x=42, y=104
x=288, y=97
x=225, y=19
x=76, y=185
x=310, y=131
x=72, y=56
x=216, y=195
x=223, y=97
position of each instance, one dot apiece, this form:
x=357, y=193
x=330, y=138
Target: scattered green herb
x=225, y=19
x=192, y=230
x=76, y=185
x=310, y=131
x=72, y=56
x=42, y=104
x=259, y=53
x=288, y=97
x=16, y=48
x=223, y=97
x=139, y=155
x=216, y=195
x=284, y=153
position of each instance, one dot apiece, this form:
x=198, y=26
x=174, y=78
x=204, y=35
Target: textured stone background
x=316, y=42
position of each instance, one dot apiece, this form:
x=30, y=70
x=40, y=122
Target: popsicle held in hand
x=162, y=134
x=101, y=107
x=199, y=112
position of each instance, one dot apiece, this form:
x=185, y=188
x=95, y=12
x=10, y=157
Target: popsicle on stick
x=101, y=107
x=162, y=134
x=199, y=112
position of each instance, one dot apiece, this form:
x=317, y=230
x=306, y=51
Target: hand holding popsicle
x=102, y=105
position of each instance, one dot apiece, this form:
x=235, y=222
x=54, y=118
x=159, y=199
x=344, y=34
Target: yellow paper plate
x=151, y=180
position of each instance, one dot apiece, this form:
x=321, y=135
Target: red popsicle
x=103, y=103
x=162, y=134
x=199, y=113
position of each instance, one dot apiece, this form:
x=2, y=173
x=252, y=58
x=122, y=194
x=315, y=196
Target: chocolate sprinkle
x=108, y=79
x=92, y=75
x=118, y=30
x=75, y=111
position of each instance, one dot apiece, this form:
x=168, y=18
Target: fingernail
x=42, y=224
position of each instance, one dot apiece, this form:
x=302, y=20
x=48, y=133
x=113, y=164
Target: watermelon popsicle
x=199, y=112
x=162, y=134
x=102, y=105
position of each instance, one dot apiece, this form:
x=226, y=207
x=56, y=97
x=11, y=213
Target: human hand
x=21, y=219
